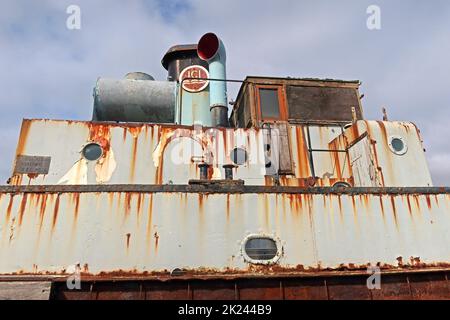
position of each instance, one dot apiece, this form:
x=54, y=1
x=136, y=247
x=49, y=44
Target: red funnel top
x=208, y=46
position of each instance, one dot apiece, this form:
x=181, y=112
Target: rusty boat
x=169, y=193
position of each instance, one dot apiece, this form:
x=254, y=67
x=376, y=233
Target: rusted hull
x=424, y=285
x=186, y=241
x=203, y=232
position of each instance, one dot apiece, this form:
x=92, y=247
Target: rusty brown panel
x=348, y=289
x=260, y=289
x=167, y=291
x=322, y=103
x=393, y=288
x=118, y=291
x=217, y=290
x=306, y=289
x=429, y=286
x=61, y=292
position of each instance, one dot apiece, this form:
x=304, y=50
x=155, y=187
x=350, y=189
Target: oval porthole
x=341, y=184
x=238, y=156
x=92, y=151
x=398, y=145
x=261, y=249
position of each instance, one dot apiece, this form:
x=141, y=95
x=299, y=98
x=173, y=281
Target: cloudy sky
x=49, y=71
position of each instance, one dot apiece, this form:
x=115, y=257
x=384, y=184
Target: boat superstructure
x=165, y=194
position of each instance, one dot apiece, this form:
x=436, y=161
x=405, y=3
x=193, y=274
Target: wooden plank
x=15, y=290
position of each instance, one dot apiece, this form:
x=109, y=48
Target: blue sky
x=49, y=71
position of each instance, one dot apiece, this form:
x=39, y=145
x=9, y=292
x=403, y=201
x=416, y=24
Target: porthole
x=341, y=184
x=261, y=249
x=239, y=156
x=398, y=145
x=92, y=151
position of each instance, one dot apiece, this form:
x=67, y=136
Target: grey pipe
x=129, y=100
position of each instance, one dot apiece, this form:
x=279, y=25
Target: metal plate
x=23, y=290
x=32, y=164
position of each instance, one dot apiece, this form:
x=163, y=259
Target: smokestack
x=211, y=49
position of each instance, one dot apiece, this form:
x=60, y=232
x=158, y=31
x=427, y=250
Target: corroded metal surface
x=155, y=232
x=165, y=154
x=414, y=286
x=223, y=186
x=405, y=286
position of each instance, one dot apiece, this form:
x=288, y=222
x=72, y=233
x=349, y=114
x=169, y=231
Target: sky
x=49, y=71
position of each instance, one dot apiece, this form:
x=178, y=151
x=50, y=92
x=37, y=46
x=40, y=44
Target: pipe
x=134, y=100
x=229, y=171
x=138, y=76
x=211, y=49
x=203, y=171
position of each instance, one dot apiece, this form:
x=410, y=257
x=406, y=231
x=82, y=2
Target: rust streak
x=127, y=203
x=302, y=154
x=428, y=201
x=409, y=205
x=110, y=199
x=128, y=240
x=24, y=131
x=200, y=202
x=156, y=236
x=23, y=205
x=76, y=200
x=436, y=199
x=382, y=206
x=10, y=204
x=133, y=158
x=139, y=204
x=55, y=212
x=340, y=208
x=31, y=176
x=299, y=201
x=394, y=210
x=150, y=215
x=100, y=134
x=416, y=200
x=354, y=208
x=42, y=210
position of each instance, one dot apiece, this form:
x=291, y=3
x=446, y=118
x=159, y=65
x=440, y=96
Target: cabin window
x=270, y=106
x=271, y=103
x=261, y=248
